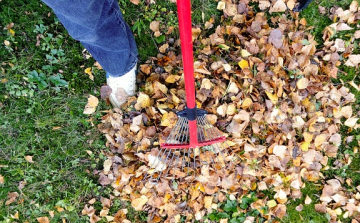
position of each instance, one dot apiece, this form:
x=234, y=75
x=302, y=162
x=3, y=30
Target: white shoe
x=122, y=87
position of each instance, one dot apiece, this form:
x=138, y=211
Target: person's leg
x=100, y=27
x=302, y=4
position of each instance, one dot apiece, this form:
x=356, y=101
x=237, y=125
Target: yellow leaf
x=297, y=161
x=88, y=72
x=319, y=140
x=16, y=215
x=308, y=136
x=90, y=107
x=231, y=109
x=246, y=103
x=243, y=64
x=245, y=53
x=220, y=6
x=200, y=187
x=175, y=99
x=12, y=32
x=271, y=203
x=208, y=201
x=138, y=203
x=305, y=146
x=161, y=87
x=167, y=197
x=143, y=100
x=172, y=79
x=107, y=166
x=273, y=98
x=165, y=120
x=303, y=83
x=223, y=46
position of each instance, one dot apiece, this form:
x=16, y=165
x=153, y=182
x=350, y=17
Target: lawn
x=50, y=152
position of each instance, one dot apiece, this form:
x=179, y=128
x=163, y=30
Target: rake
x=193, y=141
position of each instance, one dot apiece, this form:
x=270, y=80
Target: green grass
x=308, y=213
x=58, y=175
x=61, y=174
x=319, y=22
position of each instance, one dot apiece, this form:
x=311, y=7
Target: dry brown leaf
x=154, y=26
x=275, y=37
x=206, y=83
x=11, y=197
x=264, y=4
x=29, y=159
x=163, y=48
x=291, y=4
x=43, y=220
x=135, y=2
x=353, y=60
x=2, y=179
x=357, y=34
x=351, y=122
x=105, y=91
x=279, y=6
x=233, y=88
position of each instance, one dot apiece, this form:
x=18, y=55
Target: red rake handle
x=184, y=15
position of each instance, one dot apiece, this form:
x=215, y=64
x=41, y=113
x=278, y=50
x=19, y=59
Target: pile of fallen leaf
x=268, y=88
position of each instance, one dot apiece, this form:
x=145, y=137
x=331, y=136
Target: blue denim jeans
x=100, y=27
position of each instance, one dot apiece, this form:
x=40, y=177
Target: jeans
x=100, y=27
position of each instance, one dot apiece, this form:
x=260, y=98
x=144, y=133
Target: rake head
x=180, y=157
x=179, y=138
